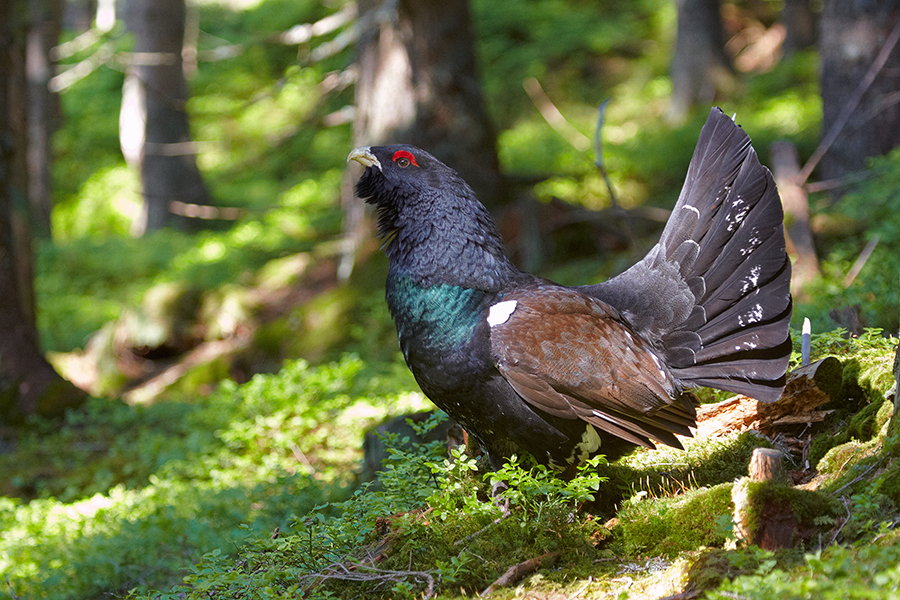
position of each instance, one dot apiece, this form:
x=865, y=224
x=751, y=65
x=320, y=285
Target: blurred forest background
x=193, y=335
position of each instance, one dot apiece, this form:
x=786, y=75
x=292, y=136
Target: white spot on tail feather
x=499, y=313
x=662, y=374
x=754, y=315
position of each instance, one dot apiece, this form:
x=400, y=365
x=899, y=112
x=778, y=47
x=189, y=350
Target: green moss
x=226, y=310
x=888, y=483
x=714, y=566
x=821, y=444
x=864, y=425
x=669, y=525
x=841, y=456
x=807, y=505
x=884, y=414
x=861, y=428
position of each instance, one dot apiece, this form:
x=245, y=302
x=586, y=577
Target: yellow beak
x=363, y=155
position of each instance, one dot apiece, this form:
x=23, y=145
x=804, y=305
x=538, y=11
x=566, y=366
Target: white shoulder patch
x=499, y=313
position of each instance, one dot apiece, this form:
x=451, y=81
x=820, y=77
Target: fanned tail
x=714, y=294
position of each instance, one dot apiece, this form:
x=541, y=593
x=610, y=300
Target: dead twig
x=482, y=530
x=578, y=592
x=366, y=573
x=858, y=477
x=517, y=572
x=614, y=201
x=846, y=502
x=553, y=116
x=851, y=105
x=861, y=261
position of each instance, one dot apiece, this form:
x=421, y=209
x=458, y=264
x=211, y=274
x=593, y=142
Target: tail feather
x=747, y=278
x=741, y=340
x=714, y=294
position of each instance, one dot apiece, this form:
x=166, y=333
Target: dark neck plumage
x=449, y=239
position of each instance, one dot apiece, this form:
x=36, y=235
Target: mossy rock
x=283, y=272
x=166, y=320
x=840, y=457
x=311, y=330
x=884, y=414
x=669, y=525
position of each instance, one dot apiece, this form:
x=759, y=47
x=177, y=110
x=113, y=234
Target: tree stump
x=767, y=464
x=767, y=510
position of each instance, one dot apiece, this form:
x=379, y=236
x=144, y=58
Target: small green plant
x=867, y=571
x=429, y=524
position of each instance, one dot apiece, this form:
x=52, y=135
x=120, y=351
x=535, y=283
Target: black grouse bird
x=566, y=372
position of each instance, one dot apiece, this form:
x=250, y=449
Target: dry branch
x=517, y=572
x=786, y=169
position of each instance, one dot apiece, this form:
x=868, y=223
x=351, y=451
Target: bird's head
x=399, y=175
x=415, y=192
x=426, y=212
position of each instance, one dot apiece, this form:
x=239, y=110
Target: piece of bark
x=807, y=389
x=517, y=572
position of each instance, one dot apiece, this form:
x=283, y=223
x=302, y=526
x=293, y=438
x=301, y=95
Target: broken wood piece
x=806, y=390
x=519, y=571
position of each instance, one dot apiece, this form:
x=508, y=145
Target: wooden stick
x=517, y=572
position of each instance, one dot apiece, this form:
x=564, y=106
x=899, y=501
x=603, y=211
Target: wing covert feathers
x=571, y=356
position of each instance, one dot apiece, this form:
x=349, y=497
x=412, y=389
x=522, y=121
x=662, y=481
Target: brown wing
x=572, y=356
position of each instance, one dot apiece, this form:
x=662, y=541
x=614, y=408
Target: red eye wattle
x=404, y=158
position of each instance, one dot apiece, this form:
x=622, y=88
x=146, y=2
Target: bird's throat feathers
x=438, y=235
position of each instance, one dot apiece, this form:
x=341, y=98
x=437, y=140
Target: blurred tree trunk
x=854, y=33
x=153, y=124
x=418, y=84
x=700, y=66
x=800, y=25
x=43, y=108
x=78, y=15
x=28, y=384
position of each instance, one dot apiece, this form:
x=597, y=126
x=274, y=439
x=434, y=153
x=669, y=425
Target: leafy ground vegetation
x=250, y=488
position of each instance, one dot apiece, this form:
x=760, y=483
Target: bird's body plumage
x=564, y=372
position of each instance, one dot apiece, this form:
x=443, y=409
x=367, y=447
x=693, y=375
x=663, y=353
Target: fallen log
x=807, y=389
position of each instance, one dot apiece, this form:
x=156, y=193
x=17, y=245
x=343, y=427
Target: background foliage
x=123, y=497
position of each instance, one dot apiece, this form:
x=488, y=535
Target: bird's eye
x=404, y=159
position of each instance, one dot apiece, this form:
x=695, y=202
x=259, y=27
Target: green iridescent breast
x=437, y=318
